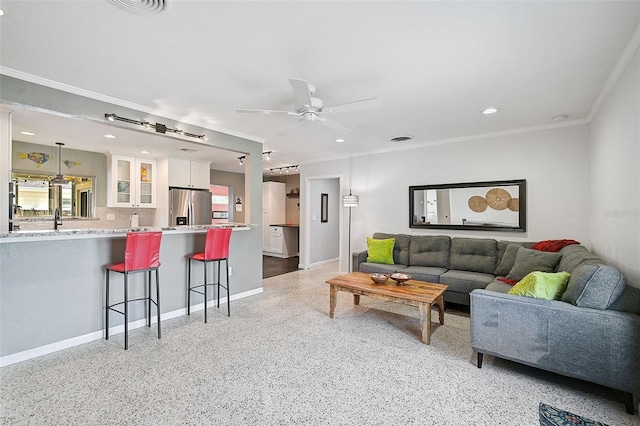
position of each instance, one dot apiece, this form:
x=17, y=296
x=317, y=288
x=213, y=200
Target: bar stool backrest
x=216, y=245
x=142, y=250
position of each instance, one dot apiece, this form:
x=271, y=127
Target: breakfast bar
x=52, y=283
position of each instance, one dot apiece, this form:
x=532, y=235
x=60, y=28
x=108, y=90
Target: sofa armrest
x=599, y=346
x=358, y=258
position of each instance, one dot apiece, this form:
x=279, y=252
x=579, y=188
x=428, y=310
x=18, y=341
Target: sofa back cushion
x=474, y=254
x=528, y=260
x=401, y=247
x=594, y=286
x=428, y=250
x=574, y=255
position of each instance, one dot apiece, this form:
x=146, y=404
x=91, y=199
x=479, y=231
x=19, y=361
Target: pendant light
x=59, y=179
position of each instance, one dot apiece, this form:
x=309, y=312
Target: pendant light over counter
x=59, y=179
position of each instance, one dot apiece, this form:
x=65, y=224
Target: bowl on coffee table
x=400, y=278
x=379, y=278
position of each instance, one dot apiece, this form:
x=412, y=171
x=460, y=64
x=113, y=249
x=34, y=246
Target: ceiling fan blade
x=302, y=93
x=265, y=111
x=353, y=106
x=334, y=125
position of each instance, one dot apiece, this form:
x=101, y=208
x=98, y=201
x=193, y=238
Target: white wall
x=554, y=163
x=324, y=235
x=614, y=196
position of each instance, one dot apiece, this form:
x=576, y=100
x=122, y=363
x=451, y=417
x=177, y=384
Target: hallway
x=272, y=266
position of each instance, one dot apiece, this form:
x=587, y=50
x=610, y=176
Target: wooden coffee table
x=415, y=293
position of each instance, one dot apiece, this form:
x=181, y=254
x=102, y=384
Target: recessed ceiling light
x=110, y=136
x=28, y=133
x=339, y=140
x=489, y=111
x=560, y=117
x=1, y=12
x=145, y=152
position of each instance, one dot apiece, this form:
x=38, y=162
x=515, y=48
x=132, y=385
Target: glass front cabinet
x=131, y=182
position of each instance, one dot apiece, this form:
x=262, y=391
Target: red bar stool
x=216, y=249
x=141, y=254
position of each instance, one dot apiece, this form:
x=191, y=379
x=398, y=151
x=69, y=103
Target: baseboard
x=323, y=262
x=97, y=335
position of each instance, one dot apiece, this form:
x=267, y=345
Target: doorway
x=323, y=219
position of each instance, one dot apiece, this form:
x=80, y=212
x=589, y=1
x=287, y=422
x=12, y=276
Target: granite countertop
x=85, y=233
x=287, y=225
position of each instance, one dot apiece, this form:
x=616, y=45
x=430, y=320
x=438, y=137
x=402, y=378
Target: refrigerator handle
x=192, y=218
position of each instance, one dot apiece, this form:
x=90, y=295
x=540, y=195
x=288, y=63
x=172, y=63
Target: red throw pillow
x=553, y=245
x=508, y=281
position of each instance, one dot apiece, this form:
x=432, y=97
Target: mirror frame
x=522, y=212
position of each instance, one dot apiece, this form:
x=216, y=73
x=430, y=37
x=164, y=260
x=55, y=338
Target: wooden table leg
x=333, y=293
x=425, y=322
x=356, y=299
x=440, y=304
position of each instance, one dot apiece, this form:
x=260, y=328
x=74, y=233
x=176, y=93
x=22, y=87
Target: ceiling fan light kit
x=312, y=109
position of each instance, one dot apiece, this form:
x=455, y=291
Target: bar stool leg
x=218, y=281
x=157, y=299
x=189, y=287
x=205, y=291
x=106, y=309
x=226, y=261
x=126, y=313
x=149, y=300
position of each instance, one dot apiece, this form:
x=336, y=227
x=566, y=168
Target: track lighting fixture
x=159, y=127
x=285, y=169
x=241, y=160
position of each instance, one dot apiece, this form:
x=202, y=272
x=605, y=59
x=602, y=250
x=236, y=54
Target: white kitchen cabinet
x=189, y=174
x=273, y=208
x=283, y=241
x=131, y=182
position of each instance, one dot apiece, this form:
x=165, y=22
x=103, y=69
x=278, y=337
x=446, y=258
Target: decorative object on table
x=348, y=201
x=324, y=208
x=379, y=278
x=551, y=416
x=477, y=204
x=497, y=198
x=401, y=278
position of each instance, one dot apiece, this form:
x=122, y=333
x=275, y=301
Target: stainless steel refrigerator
x=189, y=206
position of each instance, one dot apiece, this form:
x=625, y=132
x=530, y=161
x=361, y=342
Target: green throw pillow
x=380, y=251
x=542, y=285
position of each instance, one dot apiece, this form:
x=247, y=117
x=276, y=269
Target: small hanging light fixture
x=59, y=179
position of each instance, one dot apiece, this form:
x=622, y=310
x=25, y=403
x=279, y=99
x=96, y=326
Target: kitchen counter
x=288, y=225
x=50, y=234
x=52, y=284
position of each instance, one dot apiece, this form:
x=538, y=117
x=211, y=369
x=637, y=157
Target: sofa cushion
x=474, y=254
x=502, y=246
x=594, y=286
x=542, y=285
x=507, y=261
x=498, y=286
x=628, y=301
x=574, y=255
x=429, y=274
x=401, y=248
x=465, y=281
x=382, y=268
x=427, y=250
x=528, y=260
x=380, y=251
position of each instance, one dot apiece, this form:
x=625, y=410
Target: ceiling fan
x=312, y=109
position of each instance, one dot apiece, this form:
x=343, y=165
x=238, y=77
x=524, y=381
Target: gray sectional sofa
x=592, y=333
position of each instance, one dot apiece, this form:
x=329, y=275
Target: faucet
x=57, y=220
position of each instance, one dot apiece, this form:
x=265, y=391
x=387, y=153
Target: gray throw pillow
x=529, y=260
x=508, y=260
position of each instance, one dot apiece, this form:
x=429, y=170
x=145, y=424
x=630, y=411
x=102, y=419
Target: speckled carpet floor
x=281, y=360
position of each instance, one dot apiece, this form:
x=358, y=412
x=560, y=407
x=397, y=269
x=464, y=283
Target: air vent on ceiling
x=187, y=150
x=143, y=7
x=401, y=138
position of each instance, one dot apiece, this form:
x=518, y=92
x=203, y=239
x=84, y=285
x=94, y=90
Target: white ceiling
x=434, y=66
